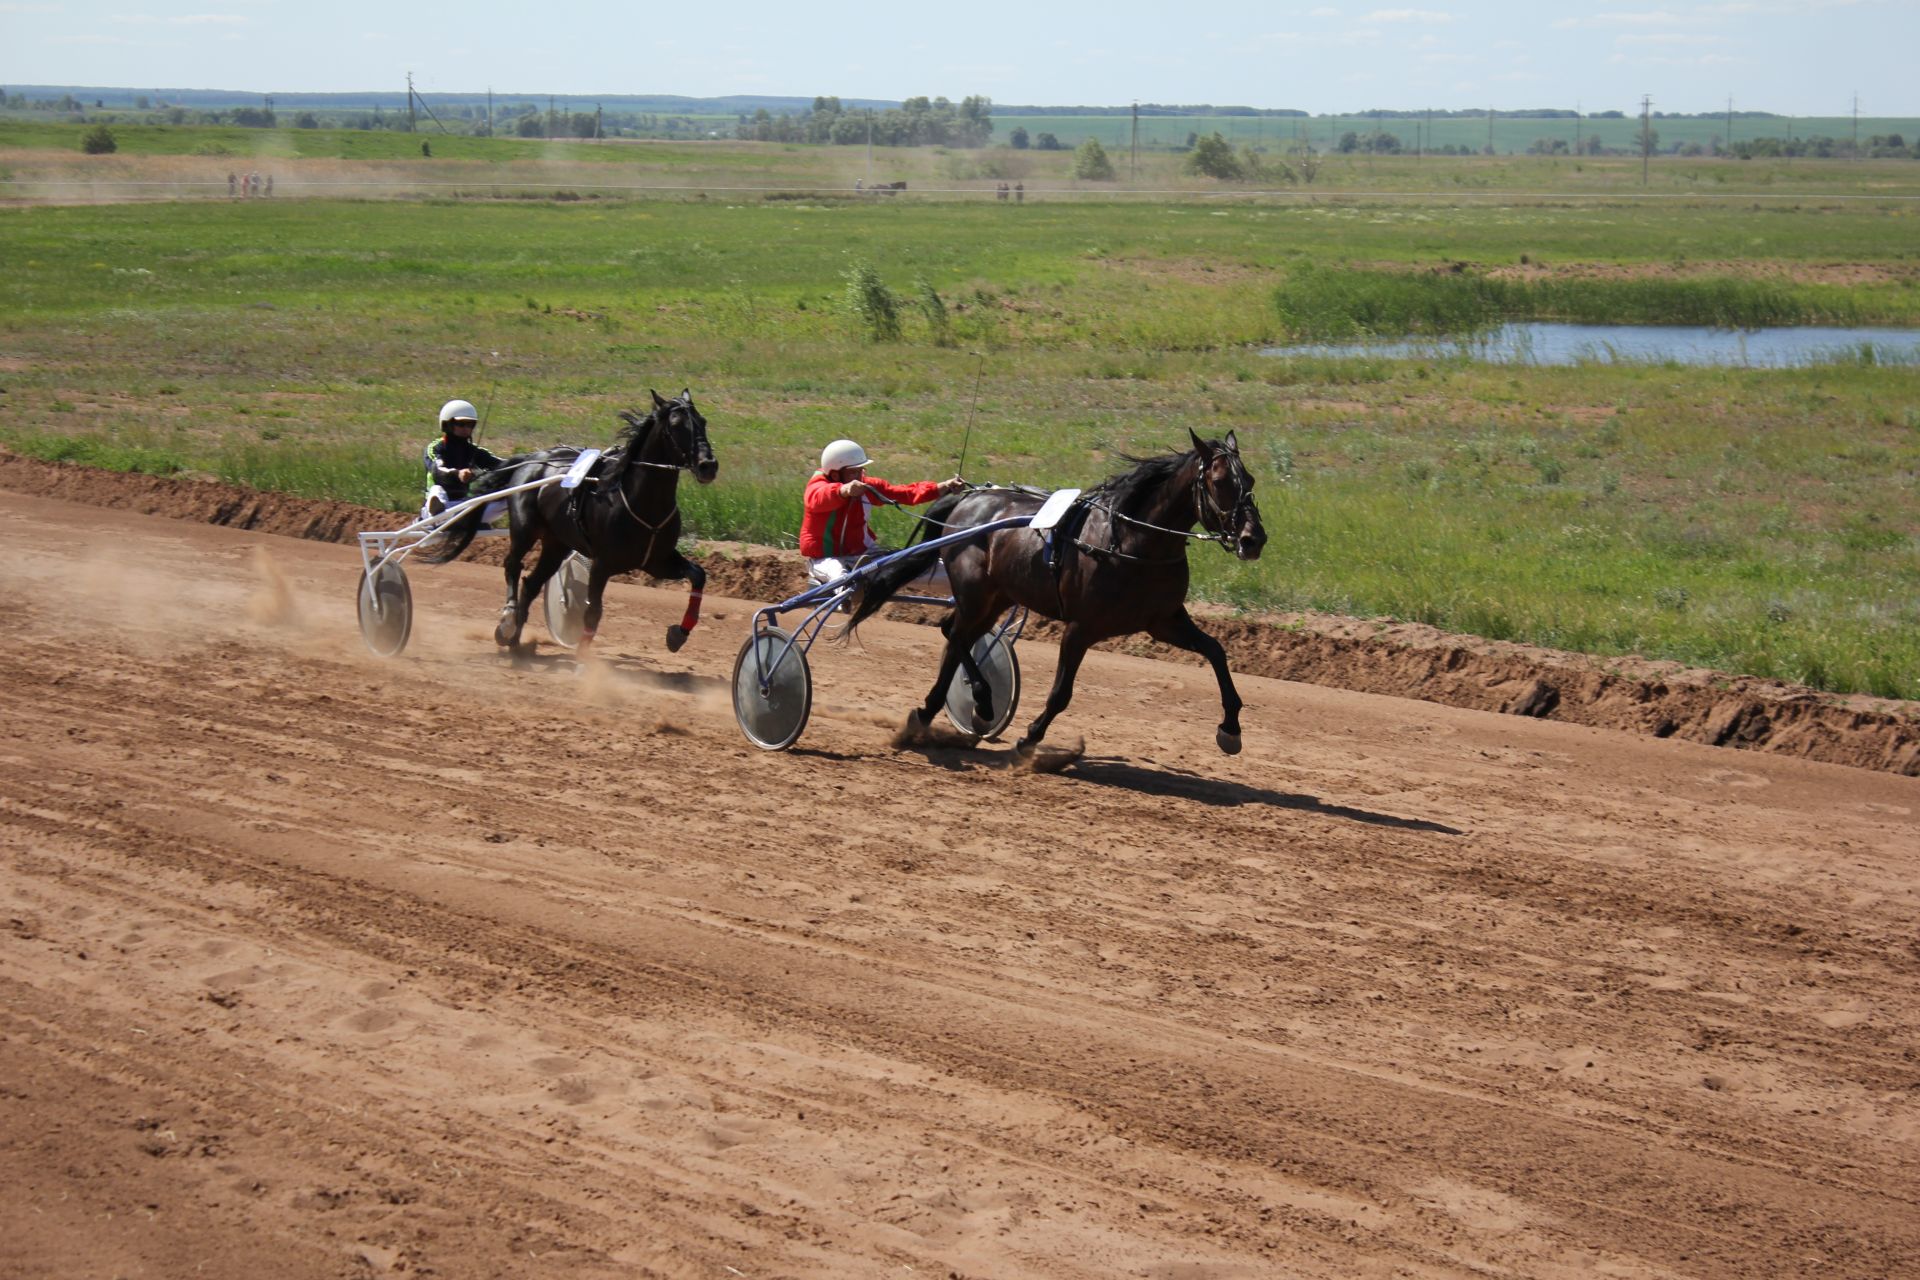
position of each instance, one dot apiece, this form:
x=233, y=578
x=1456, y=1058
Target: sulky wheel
x=565, y=599
x=386, y=610
x=994, y=656
x=772, y=717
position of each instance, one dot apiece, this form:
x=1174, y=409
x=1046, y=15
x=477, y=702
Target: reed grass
x=1319, y=302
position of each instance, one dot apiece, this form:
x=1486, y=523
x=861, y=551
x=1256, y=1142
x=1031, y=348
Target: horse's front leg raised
x=696, y=580
x=1182, y=632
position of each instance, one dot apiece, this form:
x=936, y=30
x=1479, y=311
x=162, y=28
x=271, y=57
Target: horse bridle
x=687, y=461
x=1204, y=501
x=1219, y=530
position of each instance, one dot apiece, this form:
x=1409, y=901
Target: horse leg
x=976, y=679
x=1182, y=632
x=513, y=616
x=697, y=582
x=597, y=578
x=960, y=637
x=1073, y=648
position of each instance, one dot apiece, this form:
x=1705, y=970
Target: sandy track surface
x=317, y=965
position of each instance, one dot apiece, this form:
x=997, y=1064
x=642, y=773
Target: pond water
x=1559, y=344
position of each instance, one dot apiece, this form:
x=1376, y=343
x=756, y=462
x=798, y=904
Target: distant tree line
x=917, y=122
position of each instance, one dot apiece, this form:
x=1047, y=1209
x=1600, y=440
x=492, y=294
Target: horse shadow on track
x=631, y=671
x=1180, y=785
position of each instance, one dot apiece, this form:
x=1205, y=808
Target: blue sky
x=1802, y=57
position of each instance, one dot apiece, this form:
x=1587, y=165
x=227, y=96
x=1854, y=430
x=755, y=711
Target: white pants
x=438, y=501
x=931, y=583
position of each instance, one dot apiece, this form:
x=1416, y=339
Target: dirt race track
x=318, y=965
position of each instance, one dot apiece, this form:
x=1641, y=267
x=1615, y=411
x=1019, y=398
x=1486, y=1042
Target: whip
x=485, y=409
x=967, y=439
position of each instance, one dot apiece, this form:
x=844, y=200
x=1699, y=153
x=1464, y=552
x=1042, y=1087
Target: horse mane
x=1124, y=490
x=629, y=441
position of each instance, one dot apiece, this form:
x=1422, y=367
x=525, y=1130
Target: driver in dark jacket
x=454, y=458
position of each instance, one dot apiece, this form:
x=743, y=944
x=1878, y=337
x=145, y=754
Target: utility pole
x=410, y=115
x=489, y=111
x=1856, y=126
x=1646, y=134
x=1729, y=124
x=1489, y=130
x=1576, y=127
x=598, y=131
x=869, y=147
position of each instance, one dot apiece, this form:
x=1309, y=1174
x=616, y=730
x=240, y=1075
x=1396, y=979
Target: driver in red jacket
x=834, y=536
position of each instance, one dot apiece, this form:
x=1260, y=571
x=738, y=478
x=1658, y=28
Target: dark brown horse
x=1115, y=565
x=625, y=517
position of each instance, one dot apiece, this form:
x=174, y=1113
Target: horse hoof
x=676, y=637
x=1025, y=749
x=1227, y=742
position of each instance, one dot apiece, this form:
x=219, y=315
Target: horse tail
x=885, y=583
x=458, y=534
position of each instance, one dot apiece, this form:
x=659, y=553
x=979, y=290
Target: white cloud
x=1428, y=17
x=1659, y=18
x=180, y=20
x=1666, y=38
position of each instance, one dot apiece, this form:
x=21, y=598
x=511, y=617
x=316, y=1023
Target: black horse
x=1115, y=565
x=625, y=516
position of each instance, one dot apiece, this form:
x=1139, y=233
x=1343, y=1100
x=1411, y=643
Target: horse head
x=686, y=433
x=1223, y=496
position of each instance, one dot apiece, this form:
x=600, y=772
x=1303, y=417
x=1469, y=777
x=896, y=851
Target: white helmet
x=458, y=409
x=842, y=453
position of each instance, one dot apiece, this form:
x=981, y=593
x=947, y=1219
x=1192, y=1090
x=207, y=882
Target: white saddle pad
x=578, y=471
x=1053, y=508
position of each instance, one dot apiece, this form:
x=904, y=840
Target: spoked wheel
x=994, y=656
x=565, y=598
x=773, y=717
x=386, y=610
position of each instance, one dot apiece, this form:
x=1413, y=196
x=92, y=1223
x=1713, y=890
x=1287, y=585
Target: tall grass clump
x=872, y=304
x=1332, y=303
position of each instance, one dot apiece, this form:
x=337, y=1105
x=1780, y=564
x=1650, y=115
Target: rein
x=1203, y=502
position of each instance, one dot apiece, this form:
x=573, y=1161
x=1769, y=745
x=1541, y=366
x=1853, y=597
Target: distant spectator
x=1019, y=193
x=233, y=182
x=269, y=184
x=1000, y=192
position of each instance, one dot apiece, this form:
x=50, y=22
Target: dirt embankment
x=1398, y=659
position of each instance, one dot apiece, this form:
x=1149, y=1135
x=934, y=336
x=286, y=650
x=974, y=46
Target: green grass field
x=1763, y=522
